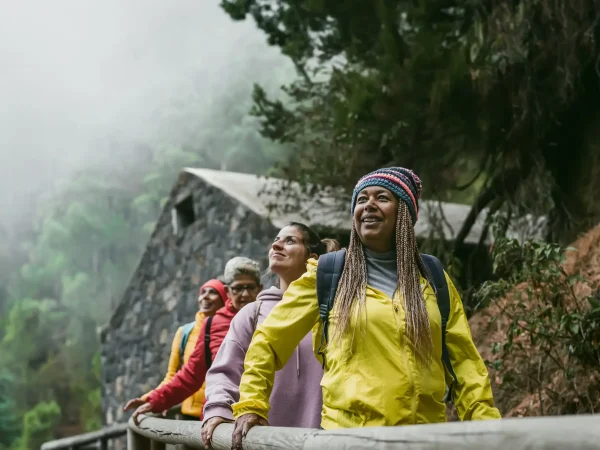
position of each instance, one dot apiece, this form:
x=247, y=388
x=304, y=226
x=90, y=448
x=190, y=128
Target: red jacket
x=191, y=376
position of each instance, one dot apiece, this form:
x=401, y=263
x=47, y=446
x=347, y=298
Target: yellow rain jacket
x=191, y=406
x=378, y=383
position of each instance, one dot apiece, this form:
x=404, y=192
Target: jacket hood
x=227, y=311
x=273, y=294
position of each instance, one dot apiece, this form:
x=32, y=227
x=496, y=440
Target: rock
x=119, y=386
x=148, y=359
x=171, y=304
x=164, y=336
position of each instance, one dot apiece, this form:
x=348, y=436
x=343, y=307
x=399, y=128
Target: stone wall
x=162, y=294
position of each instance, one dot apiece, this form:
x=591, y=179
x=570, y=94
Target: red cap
x=218, y=286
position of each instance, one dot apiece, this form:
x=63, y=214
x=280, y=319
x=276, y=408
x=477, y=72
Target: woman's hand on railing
x=208, y=428
x=242, y=426
x=142, y=407
x=134, y=403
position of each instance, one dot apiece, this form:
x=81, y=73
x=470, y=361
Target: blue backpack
x=185, y=335
x=329, y=271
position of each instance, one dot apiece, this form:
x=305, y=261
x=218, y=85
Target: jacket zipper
x=408, y=365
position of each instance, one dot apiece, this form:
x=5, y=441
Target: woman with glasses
x=211, y=298
x=242, y=277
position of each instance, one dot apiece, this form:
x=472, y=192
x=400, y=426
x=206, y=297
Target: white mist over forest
x=82, y=81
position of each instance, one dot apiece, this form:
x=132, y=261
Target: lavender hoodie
x=296, y=399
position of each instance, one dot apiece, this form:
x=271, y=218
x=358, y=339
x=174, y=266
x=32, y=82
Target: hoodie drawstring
x=298, y=362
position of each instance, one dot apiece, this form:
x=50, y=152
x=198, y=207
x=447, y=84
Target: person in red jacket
x=242, y=277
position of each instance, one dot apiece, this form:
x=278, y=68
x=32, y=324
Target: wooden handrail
x=542, y=433
x=100, y=437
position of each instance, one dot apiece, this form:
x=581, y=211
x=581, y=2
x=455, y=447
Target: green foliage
x=9, y=422
x=92, y=409
x=474, y=96
x=38, y=426
x=61, y=279
x=552, y=329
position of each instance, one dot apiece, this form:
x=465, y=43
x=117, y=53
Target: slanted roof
x=257, y=193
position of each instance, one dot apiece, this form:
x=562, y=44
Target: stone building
x=210, y=216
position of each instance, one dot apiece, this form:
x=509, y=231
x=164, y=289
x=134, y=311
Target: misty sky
x=74, y=72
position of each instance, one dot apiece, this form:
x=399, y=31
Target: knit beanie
x=218, y=286
x=403, y=183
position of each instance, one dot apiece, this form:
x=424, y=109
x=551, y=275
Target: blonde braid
x=409, y=267
x=352, y=288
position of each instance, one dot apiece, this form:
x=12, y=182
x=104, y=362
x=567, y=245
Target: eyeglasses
x=251, y=288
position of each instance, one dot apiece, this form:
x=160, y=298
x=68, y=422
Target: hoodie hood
x=273, y=294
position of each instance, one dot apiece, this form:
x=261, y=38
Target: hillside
x=541, y=339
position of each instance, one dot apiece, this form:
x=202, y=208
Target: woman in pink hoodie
x=296, y=399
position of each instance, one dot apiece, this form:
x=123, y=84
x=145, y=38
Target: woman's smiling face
x=375, y=216
x=288, y=252
x=209, y=301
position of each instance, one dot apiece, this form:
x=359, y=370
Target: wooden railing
x=96, y=439
x=99, y=439
x=539, y=433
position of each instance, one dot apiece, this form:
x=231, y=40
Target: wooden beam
x=111, y=432
x=539, y=433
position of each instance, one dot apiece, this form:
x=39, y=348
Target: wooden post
x=155, y=445
x=137, y=442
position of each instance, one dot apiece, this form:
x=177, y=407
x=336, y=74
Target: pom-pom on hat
x=401, y=182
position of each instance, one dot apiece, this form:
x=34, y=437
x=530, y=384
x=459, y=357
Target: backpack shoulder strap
x=329, y=271
x=186, y=330
x=257, y=313
x=436, y=271
x=207, y=354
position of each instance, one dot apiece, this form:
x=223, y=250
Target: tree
x=38, y=425
x=9, y=423
x=62, y=278
x=484, y=99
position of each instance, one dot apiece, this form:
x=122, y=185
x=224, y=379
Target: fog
x=75, y=74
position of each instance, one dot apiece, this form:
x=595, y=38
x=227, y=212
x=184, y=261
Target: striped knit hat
x=401, y=182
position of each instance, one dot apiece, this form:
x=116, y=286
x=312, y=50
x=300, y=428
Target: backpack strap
x=329, y=271
x=257, y=313
x=207, y=354
x=186, y=330
x=436, y=270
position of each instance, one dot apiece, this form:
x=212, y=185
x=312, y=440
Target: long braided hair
x=351, y=294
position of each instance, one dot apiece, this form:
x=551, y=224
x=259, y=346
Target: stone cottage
x=210, y=216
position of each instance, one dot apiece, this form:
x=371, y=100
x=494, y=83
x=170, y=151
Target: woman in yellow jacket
x=212, y=296
x=383, y=359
